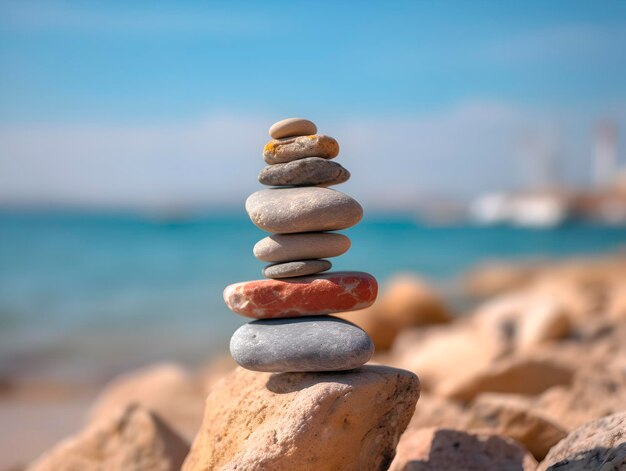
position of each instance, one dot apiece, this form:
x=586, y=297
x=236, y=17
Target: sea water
x=92, y=294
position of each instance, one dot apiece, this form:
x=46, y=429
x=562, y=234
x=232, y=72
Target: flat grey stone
x=318, y=343
x=311, y=171
x=308, y=209
x=311, y=245
x=297, y=268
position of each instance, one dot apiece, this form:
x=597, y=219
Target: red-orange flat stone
x=303, y=296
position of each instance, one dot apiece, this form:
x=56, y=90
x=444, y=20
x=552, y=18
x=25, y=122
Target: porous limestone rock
x=514, y=417
x=133, y=438
x=596, y=391
x=165, y=389
x=350, y=421
x=599, y=445
x=528, y=375
x=442, y=449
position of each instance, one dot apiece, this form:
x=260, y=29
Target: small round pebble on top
x=292, y=127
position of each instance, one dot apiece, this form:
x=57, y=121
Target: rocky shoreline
x=534, y=377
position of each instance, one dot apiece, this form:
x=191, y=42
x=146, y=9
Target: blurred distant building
x=534, y=209
x=605, y=157
x=547, y=203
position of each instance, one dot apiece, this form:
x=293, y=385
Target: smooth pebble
x=306, y=209
x=310, y=171
x=298, y=345
x=292, y=127
x=287, y=247
x=297, y=268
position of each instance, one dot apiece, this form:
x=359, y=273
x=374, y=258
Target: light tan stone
x=292, y=127
x=302, y=209
x=596, y=391
x=616, y=309
x=406, y=301
x=331, y=421
x=545, y=320
x=514, y=417
x=382, y=333
x=524, y=319
x=447, y=356
x=436, y=411
x=132, y=439
x=409, y=301
x=528, y=375
x=599, y=445
x=165, y=389
x=495, y=278
x=441, y=449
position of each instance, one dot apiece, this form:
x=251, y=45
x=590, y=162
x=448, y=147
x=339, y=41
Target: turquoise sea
x=84, y=296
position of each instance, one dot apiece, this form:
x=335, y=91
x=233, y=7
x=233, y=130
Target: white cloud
x=460, y=151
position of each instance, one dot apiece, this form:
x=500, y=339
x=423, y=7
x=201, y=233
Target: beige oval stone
x=280, y=151
x=287, y=247
x=304, y=209
x=292, y=127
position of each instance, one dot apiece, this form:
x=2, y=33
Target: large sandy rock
x=495, y=278
x=514, y=417
x=616, y=309
x=323, y=421
x=597, y=445
x=133, y=439
x=370, y=320
x=596, y=391
x=409, y=301
x=441, y=449
x=165, y=389
x=524, y=319
x=581, y=298
x=435, y=411
x=528, y=375
x=445, y=356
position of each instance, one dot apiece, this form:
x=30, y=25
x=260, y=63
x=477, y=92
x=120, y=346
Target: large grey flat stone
x=318, y=343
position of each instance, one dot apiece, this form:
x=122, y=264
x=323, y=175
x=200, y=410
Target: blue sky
x=88, y=86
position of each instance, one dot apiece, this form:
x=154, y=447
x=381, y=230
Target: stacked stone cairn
x=294, y=331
